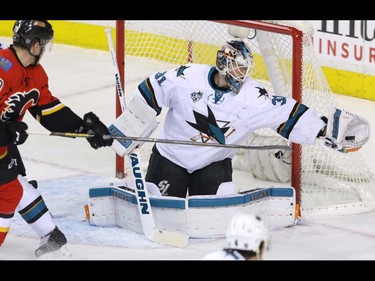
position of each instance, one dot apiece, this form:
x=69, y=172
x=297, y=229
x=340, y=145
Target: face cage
x=234, y=84
x=239, y=71
x=232, y=70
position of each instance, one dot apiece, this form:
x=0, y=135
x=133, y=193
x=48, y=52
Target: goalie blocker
x=137, y=120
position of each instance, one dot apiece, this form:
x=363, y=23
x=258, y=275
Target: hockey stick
x=143, y=139
x=120, y=91
x=143, y=201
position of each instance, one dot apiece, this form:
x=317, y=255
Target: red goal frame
x=296, y=36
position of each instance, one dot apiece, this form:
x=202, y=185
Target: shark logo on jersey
x=196, y=96
x=263, y=92
x=208, y=127
x=180, y=71
x=163, y=187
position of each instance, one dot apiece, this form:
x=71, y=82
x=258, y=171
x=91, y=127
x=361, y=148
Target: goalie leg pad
x=199, y=216
x=153, y=189
x=226, y=188
x=138, y=120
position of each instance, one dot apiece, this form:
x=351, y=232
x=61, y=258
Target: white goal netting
x=330, y=182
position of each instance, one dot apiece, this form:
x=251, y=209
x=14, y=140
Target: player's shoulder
x=198, y=66
x=254, y=92
x=193, y=68
x=188, y=74
x=8, y=62
x=251, y=83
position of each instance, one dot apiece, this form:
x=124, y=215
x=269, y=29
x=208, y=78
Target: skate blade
x=61, y=254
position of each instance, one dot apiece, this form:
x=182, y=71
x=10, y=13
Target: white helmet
x=247, y=232
x=234, y=60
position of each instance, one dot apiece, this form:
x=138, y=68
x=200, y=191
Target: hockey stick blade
x=169, y=238
x=145, y=210
x=164, y=237
x=143, y=139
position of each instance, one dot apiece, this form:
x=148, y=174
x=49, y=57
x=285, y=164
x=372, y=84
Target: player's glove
x=345, y=131
x=92, y=125
x=16, y=132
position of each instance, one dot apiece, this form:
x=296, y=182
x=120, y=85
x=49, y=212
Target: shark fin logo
x=263, y=93
x=180, y=71
x=208, y=126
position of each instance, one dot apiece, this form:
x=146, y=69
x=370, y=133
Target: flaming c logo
x=17, y=104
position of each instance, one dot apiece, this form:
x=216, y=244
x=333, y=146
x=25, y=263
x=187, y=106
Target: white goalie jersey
x=198, y=111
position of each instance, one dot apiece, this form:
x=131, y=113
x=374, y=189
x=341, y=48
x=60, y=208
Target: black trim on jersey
x=6, y=216
x=287, y=127
x=150, y=96
x=5, y=137
x=36, y=111
x=63, y=120
x=10, y=173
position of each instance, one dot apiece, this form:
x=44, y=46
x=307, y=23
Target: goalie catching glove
x=345, y=131
x=137, y=120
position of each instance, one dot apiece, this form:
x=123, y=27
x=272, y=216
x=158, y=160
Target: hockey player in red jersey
x=24, y=87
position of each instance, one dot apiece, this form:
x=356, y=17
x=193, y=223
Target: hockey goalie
x=221, y=104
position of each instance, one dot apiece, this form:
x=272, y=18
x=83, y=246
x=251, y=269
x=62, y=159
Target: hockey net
x=326, y=181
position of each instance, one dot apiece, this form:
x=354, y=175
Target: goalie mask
x=247, y=232
x=234, y=60
x=27, y=32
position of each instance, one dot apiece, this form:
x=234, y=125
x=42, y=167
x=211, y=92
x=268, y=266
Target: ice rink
x=66, y=168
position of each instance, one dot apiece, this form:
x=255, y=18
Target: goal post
x=296, y=58
x=326, y=182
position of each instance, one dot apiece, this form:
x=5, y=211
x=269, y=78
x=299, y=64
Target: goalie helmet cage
x=327, y=182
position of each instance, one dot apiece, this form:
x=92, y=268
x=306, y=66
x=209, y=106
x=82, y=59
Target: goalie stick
x=143, y=201
x=144, y=139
